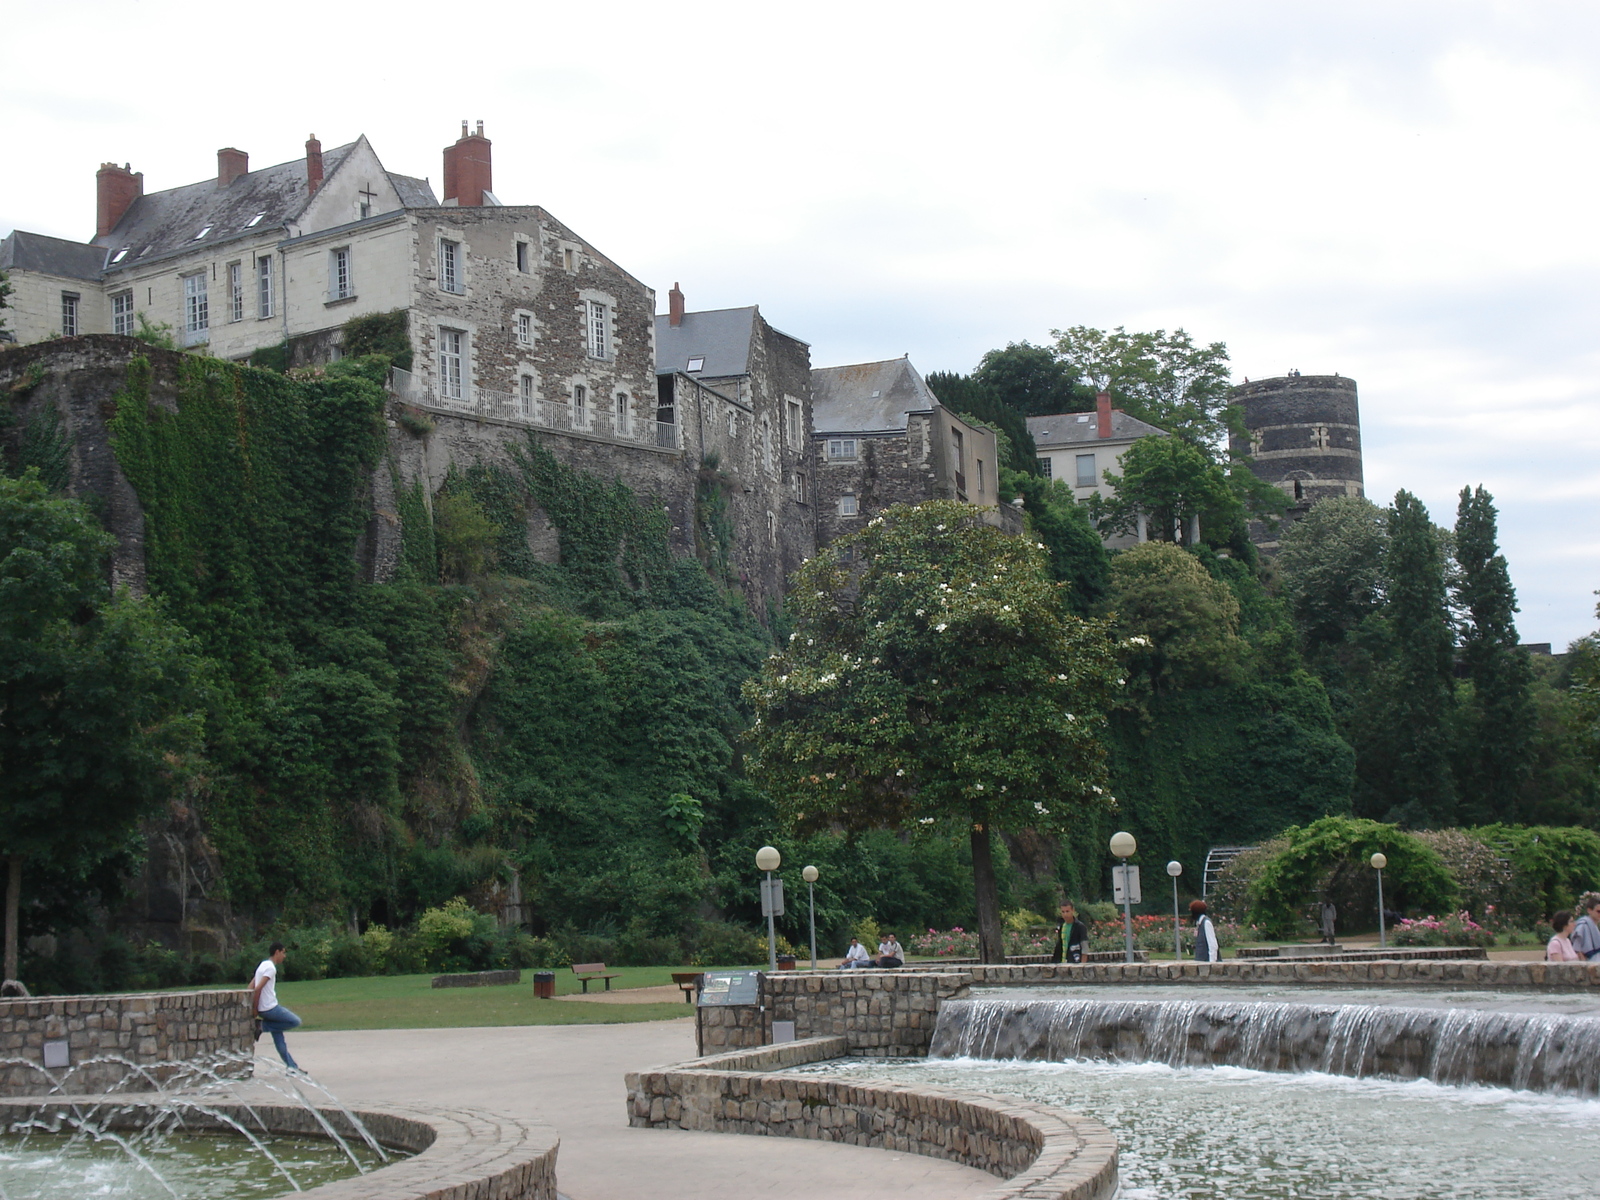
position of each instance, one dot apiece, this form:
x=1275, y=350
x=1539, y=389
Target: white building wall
x=33, y=309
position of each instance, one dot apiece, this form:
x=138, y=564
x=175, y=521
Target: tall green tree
x=1413, y=780
x=935, y=680
x=1034, y=380
x=1182, y=624
x=1160, y=377
x=1497, y=729
x=1331, y=567
x=100, y=699
x=1077, y=555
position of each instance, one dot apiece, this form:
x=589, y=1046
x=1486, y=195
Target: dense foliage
x=936, y=679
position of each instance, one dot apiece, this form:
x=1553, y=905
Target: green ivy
x=380, y=333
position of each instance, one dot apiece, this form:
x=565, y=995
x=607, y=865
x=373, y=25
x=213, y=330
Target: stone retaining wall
x=478, y=979
x=1404, y=954
x=1381, y=972
x=130, y=1043
x=456, y=1154
x=1042, y=1153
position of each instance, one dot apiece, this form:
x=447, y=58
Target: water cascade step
x=1534, y=1051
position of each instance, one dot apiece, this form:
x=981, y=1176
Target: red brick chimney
x=1102, y=410
x=674, y=306
x=313, y=165
x=467, y=172
x=231, y=164
x=116, y=188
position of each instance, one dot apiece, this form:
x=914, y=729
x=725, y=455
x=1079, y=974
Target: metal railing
x=555, y=415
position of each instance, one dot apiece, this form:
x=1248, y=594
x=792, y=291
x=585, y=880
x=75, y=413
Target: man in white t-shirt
x=856, y=957
x=274, y=1017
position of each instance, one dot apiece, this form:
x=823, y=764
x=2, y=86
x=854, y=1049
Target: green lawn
x=409, y=1002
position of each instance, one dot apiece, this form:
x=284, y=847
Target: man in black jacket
x=1072, y=936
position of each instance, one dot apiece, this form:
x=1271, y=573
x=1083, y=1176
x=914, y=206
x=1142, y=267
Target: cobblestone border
x=1380, y=972
x=1042, y=1153
x=458, y=1154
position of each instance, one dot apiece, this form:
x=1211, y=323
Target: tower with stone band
x=1302, y=434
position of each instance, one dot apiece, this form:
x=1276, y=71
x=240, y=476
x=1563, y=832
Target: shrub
x=1455, y=929
x=721, y=944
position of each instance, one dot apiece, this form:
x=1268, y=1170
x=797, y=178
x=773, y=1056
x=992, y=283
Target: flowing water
x=1229, y=1133
x=64, y=1166
x=69, y=1149
x=1547, y=1043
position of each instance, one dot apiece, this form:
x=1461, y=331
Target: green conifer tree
x=1417, y=785
x=1494, y=759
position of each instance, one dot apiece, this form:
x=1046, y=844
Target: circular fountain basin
x=48, y=1166
x=1185, y=1132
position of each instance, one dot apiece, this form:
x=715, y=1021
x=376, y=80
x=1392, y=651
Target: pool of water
x=1226, y=1133
x=60, y=1166
x=1576, y=1004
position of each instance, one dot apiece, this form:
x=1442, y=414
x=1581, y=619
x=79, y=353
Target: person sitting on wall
x=1205, y=934
x=890, y=952
x=1560, y=948
x=1585, y=933
x=856, y=957
x=1072, y=936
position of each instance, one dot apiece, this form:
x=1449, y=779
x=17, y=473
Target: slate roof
x=867, y=397
x=1063, y=429
x=413, y=192
x=51, y=256
x=722, y=337
x=164, y=222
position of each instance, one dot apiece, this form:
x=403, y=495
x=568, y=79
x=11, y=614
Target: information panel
x=730, y=987
x=1125, y=884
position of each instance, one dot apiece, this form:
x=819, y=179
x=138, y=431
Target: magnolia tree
x=936, y=681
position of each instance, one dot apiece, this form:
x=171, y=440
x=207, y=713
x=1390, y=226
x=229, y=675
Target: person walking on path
x=1560, y=947
x=1205, y=934
x=274, y=1017
x=1072, y=936
x=1585, y=935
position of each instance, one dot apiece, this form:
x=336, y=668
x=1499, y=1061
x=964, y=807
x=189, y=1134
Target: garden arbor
x=1320, y=855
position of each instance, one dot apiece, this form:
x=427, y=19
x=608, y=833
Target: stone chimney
x=116, y=188
x=467, y=172
x=1102, y=411
x=231, y=164
x=313, y=165
x=674, y=307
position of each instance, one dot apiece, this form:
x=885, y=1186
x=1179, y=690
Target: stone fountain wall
x=893, y=1013
x=1041, y=1153
x=126, y=1043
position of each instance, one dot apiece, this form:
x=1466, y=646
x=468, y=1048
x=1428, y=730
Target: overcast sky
x=1402, y=193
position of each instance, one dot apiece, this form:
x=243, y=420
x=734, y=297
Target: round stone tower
x=1302, y=434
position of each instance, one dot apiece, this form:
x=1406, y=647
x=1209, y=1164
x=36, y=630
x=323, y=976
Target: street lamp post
x=769, y=860
x=810, y=876
x=1123, y=845
x=1379, y=862
x=1175, y=868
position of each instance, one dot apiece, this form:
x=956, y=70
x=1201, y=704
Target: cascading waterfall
x=1531, y=1051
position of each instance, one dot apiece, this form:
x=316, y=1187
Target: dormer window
x=202, y=233
x=121, y=254
x=254, y=221
x=697, y=364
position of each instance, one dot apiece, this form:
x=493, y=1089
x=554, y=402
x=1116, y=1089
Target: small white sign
x=1125, y=884
x=772, y=898
x=57, y=1056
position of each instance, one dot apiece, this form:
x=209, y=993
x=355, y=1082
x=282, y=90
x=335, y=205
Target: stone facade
x=1040, y=1152
x=1302, y=434
x=127, y=1043
x=456, y=1154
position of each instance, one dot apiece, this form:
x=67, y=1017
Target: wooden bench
x=591, y=971
x=687, y=981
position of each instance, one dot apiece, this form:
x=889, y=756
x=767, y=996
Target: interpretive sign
x=721, y=988
x=1125, y=884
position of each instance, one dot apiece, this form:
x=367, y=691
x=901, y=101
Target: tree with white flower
x=940, y=684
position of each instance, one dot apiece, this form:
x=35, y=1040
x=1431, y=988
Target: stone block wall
x=881, y=1014
x=1041, y=1153
x=130, y=1043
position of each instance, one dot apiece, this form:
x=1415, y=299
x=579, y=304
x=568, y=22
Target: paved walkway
x=570, y=1077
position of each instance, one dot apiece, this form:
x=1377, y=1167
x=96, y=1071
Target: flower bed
x=1455, y=929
